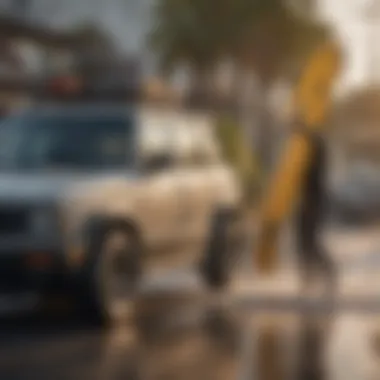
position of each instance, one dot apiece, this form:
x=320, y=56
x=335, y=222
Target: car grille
x=13, y=220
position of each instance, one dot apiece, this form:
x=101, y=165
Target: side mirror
x=157, y=163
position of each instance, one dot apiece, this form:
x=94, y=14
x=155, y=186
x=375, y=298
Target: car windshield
x=65, y=141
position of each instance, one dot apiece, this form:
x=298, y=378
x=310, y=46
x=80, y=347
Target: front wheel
x=112, y=276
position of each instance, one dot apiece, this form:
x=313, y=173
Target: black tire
x=223, y=249
x=98, y=298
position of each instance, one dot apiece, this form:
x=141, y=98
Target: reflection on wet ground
x=169, y=340
x=172, y=338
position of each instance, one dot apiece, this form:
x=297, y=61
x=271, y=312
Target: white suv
x=92, y=196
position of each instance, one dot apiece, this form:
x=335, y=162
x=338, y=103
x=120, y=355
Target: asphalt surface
x=169, y=339
x=166, y=339
x=179, y=331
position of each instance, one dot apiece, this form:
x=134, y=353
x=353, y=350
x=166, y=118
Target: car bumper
x=32, y=271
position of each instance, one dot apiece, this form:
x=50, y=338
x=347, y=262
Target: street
x=178, y=344
x=256, y=330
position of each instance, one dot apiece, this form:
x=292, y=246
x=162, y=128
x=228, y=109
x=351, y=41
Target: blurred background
x=239, y=61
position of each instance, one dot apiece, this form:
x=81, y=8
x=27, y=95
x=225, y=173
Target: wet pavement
x=170, y=337
x=181, y=332
x=166, y=339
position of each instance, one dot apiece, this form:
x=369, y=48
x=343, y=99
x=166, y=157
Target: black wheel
x=112, y=276
x=224, y=248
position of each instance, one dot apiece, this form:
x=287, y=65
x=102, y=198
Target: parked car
x=91, y=195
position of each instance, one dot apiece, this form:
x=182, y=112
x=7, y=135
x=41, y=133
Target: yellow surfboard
x=311, y=100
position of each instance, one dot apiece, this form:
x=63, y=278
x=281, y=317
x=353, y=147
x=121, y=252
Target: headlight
x=42, y=221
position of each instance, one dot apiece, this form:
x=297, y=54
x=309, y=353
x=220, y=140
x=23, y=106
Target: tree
x=263, y=36
x=186, y=32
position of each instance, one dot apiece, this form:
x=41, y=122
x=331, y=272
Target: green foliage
x=184, y=31
x=263, y=34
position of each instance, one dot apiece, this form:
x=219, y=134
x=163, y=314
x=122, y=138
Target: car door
x=189, y=202
x=195, y=192
x=158, y=195
x=158, y=205
x=212, y=183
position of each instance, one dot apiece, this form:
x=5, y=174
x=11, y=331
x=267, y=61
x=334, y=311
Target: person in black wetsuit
x=312, y=256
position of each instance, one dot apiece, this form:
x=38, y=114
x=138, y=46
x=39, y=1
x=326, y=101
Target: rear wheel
x=112, y=276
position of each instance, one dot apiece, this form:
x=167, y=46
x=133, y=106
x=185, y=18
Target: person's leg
x=306, y=271
x=306, y=261
x=326, y=268
x=322, y=262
